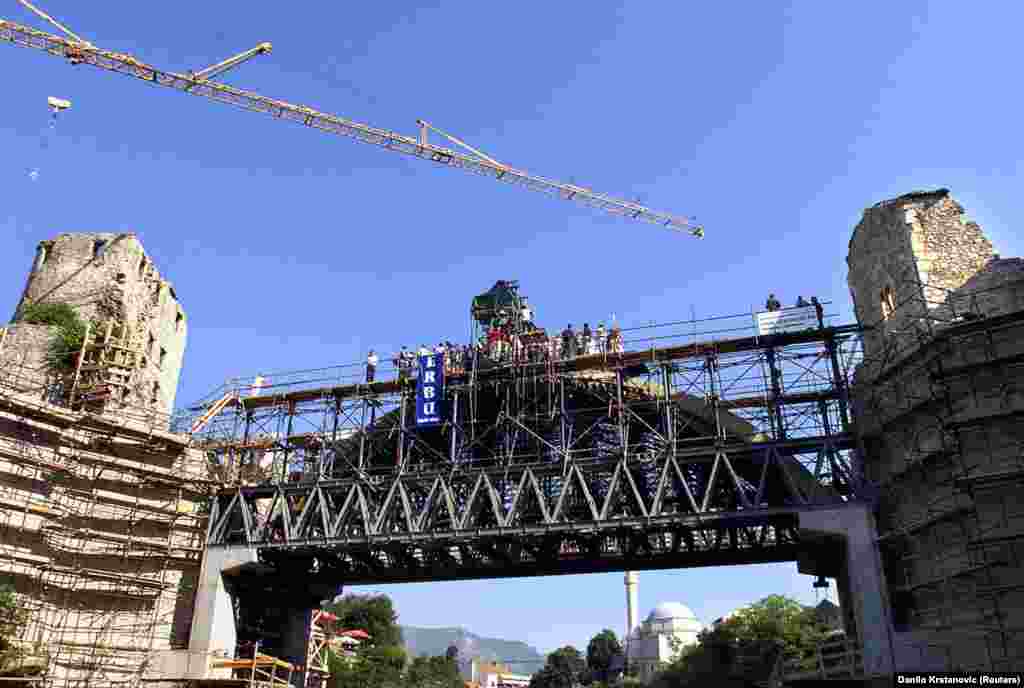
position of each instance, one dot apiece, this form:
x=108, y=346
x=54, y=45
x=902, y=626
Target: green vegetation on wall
x=12, y=618
x=69, y=335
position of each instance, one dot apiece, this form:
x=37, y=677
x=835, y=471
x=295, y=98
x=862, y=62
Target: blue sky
x=773, y=124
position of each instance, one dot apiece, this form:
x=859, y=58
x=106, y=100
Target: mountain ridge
x=521, y=657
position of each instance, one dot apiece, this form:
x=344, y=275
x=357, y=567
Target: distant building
x=483, y=674
x=654, y=643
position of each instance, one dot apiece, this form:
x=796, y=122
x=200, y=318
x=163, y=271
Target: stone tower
x=906, y=257
x=938, y=400
x=108, y=278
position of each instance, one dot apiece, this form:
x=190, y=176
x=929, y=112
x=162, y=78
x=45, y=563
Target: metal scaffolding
x=687, y=448
x=101, y=525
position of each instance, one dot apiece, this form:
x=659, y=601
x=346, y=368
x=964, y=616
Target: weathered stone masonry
x=108, y=277
x=102, y=518
x=939, y=401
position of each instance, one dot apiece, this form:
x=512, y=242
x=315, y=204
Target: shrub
x=12, y=618
x=69, y=336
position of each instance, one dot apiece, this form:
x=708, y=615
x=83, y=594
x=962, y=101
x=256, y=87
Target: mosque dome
x=674, y=618
x=667, y=611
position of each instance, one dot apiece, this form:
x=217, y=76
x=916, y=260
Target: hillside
x=520, y=657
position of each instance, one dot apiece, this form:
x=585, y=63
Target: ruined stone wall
x=943, y=439
x=23, y=350
x=937, y=402
x=919, y=248
x=101, y=534
x=949, y=248
x=996, y=290
x=106, y=277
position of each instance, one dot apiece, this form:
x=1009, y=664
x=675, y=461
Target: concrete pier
x=842, y=546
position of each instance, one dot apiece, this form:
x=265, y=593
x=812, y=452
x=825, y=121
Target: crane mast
x=200, y=83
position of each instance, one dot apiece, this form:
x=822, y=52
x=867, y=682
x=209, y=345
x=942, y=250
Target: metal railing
x=831, y=659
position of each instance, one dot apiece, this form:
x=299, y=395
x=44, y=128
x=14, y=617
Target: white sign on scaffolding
x=785, y=320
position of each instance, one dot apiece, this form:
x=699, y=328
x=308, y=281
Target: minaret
x=632, y=606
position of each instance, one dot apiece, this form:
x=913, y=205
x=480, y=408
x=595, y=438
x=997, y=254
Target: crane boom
x=79, y=52
x=230, y=63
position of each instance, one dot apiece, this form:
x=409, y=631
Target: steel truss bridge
x=694, y=453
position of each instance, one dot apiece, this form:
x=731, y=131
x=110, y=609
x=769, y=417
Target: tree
x=12, y=618
x=601, y=650
x=380, y=662
x=757, y=634
x=374, y=614
x=564, y=669
x=372, y=667
x=778, y=619
x=434, y=672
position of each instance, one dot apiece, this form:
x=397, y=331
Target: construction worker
x=402, y=363
x=819, y=311
x=526, y=314
x=615, y=344
x=493, y=339
x=586, y=336
x=568, y=342
x=371, y=366
x=601, y=338
x=772, y=304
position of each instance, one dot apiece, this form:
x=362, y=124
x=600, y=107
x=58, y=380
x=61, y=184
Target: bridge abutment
x=214, y=632
x=241, y=601
x=843, y=546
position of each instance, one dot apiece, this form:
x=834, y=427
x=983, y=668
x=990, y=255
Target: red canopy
x=356, y=633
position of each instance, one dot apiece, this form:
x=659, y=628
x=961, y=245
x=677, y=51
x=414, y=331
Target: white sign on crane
x=58, y=104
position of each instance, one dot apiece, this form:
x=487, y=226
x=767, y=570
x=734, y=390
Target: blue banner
x=430, y=390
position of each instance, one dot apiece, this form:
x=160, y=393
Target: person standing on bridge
x=615, y=344
x=772, y=304
x=568, y=342
x=819, y=311
x=371, y=366
x=526, y=315
x=404, y=363
x=800, y=303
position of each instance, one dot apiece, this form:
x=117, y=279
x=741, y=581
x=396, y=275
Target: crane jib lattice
x=80, y=52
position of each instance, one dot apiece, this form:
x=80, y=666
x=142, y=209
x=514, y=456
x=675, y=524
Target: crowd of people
x=506, y=341
x=511, y=341
x=513, y=337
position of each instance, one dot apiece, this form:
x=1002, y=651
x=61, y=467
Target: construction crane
x=77, y=51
